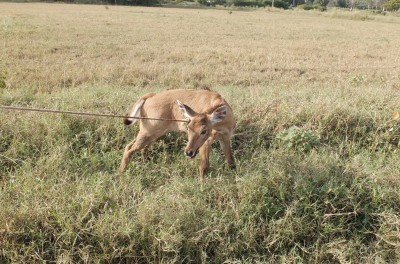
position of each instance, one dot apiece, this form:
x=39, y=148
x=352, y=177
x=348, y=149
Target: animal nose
x=189, y=153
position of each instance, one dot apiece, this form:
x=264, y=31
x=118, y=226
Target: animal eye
x=203, y=132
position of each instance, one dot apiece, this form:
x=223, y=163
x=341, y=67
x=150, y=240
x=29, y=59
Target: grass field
x=316, y=97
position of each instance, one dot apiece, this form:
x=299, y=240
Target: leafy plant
x=3, y=77
x=298, y=139
x=357, y=78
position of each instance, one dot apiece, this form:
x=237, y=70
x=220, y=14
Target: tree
x=392, y=5
x=351, y=4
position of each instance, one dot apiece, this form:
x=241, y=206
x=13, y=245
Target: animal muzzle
x=191, y=154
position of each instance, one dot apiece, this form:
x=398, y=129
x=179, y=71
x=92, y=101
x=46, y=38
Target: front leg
x=225, y=143
x=224, y=138
x=204, y=157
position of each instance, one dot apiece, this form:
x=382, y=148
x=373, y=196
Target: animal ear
x=218, y=115
x=186, y=110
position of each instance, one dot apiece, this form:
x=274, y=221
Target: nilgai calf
x=209, y=118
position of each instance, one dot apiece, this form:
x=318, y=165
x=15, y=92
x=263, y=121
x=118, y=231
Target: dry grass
x=334, y=75
x=49, y=47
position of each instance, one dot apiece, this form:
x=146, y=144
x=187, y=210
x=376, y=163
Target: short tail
x=135, y=112
x=130, y=117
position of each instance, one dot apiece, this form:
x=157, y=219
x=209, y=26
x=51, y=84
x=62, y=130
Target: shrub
x=392, y=5
x=305, y=7
x=298, y=139
x=243, y=3
x=318, y=7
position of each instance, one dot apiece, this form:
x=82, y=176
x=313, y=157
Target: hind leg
x=141, y=141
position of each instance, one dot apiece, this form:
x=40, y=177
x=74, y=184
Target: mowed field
x=316, y=98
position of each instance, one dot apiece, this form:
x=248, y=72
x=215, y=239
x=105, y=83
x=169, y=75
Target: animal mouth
x=195, y=154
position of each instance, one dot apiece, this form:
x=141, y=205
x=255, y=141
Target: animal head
x=200, y=126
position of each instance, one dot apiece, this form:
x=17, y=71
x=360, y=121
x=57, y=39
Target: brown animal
x=209, y=118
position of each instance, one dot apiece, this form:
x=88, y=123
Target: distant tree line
x=115, y=2
x=389, y=5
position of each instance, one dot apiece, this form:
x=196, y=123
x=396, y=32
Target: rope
x=85, y=113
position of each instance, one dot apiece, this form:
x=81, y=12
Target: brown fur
x=201, y=104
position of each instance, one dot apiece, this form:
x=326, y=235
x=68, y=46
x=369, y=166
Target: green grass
x=63, y=200
x=316, y=145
